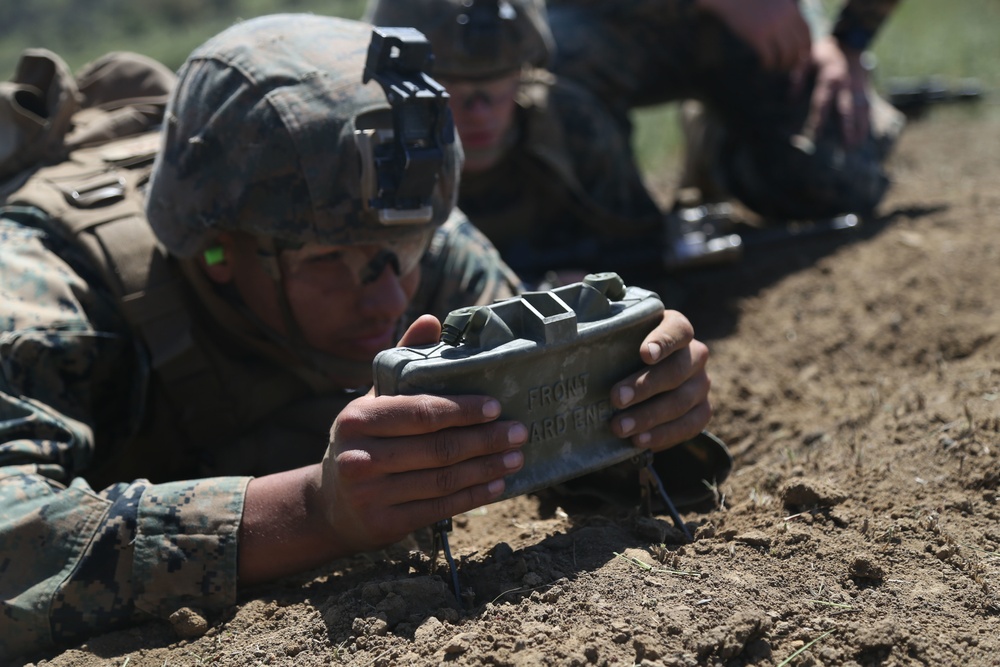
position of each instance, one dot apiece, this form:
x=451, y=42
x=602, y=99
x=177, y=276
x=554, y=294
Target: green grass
x=89, y=33
x=956, y=39
x=657, y=137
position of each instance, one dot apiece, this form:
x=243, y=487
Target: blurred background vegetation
x=955, y=40
x=167, y=30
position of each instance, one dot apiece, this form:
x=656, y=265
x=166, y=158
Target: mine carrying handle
x=544, y=317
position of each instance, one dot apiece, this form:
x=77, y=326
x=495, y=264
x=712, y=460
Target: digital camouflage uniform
x=632, y=53
x=118, y=498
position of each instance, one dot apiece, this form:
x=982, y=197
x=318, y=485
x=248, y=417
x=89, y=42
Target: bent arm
x=394, y=464
x=76, y=561
x=282, y=531
x=82, y=562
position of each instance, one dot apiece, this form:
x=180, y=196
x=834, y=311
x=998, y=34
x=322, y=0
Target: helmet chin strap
x=354, y=374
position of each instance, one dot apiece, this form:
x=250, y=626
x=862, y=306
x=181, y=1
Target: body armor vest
x=217, y=403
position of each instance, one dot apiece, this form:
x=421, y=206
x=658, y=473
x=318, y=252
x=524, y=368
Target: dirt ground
x=857, y=380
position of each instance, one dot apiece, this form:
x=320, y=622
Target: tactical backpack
x=46, y=113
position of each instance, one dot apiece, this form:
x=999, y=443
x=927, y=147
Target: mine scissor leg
x=651, y=484
x=441, y=530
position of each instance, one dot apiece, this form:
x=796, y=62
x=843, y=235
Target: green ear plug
x=215, y=255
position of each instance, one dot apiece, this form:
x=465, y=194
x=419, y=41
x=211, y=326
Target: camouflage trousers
x=634, y=53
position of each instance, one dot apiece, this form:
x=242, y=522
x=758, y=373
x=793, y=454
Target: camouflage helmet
x=474, y=39
x=263, y=135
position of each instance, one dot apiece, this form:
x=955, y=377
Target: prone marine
x=185, y=404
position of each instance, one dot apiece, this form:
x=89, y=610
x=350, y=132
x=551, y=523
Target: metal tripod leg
x=441, y=530
x=651, y=482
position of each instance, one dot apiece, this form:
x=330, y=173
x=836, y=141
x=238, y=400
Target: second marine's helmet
x=473, y=39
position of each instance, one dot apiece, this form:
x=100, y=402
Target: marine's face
x=346, y=300
x=352, y=317
x=484, y=113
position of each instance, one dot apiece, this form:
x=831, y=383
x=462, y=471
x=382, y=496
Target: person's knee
x=796, y=182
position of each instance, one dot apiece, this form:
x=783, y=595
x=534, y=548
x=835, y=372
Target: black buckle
x=101, y=191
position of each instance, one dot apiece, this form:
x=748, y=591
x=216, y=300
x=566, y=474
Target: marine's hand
x=399, y=463
x=841, y=89
x=774, y=29
x=394, y=464
x=667, y=402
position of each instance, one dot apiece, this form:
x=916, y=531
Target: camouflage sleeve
x=615, y=200
x=75, y=562
x=859, y=20
x=461, y=268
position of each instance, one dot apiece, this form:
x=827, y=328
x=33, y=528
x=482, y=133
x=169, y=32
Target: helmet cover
x=261, y=137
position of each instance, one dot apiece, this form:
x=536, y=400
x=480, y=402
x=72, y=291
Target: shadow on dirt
x=710, y=297
x=407, y=595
